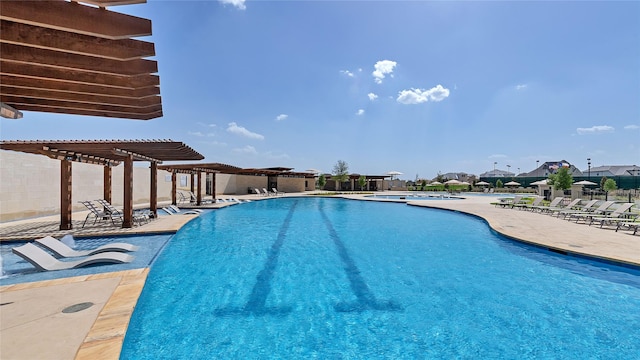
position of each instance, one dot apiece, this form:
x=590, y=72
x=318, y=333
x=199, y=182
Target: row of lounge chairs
x=607, y=213
x=266, y=192
x=110, y=212
x=35, y=253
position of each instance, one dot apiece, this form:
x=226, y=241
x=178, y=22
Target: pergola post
x=213, y=186
x=193, y=180
x=153, y=195
x=128, y=192
x=174, y=188
x=65, y=195
x=106, y=183
x=199, y=194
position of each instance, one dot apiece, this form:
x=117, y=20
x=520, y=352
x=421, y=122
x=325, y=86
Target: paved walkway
x=34, y=326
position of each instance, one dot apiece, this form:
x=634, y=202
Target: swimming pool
x=332, y=278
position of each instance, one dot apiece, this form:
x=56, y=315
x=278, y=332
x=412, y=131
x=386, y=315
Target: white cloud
x=497, y=156
x=281, y=117
x=246, y=150
x=632, y=127
x=418, y=96
x=521, y=86
x=239, y=130
x=274, y=156
x=598, y=129
x=199, y=133
x=347, y=73
x=207, y=125
x=360, y=112
x=237, y=3
x=383, y=68
x=372, y=96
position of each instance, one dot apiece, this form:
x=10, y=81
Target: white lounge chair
x=62, y=250
x=618, y=215
x=600, y=211
x=536, y=202
x=586, y=208
x=553, y=204
x=267, y=193
x=44, y=261
x=179, y=211
x=276, y=192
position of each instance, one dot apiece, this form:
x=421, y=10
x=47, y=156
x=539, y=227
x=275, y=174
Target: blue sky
x=417, y=87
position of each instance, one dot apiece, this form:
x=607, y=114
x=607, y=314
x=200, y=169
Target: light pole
x=589, y=169
x=537, y=162
x=494, y=168
x=509, y=168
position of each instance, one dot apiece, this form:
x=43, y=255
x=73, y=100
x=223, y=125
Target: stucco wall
x=30, y=185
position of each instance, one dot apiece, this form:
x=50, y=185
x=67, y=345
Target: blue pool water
x=321, y=278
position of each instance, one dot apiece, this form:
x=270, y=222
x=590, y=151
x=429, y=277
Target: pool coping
x=105, y=338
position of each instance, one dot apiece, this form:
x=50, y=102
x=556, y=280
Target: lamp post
x=589, y=175
x=494, y=168
x=509, y=168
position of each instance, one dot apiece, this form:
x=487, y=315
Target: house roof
x=65, y=57
x=617, y=170
x=105, y=152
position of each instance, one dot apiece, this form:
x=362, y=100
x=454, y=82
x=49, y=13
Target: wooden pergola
x=107, y=153
x=196, y=170
x=66, y=57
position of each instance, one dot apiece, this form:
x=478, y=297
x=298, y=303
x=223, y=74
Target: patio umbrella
x=512, y=183
x=435, y=183
x=584, y=182
x=482, y=183
x=394, y=173
x=540, y=182
x=314, y=171
x=453, y=182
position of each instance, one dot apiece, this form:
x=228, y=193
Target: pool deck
x=31, y=311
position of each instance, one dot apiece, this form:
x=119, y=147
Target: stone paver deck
x=33, y=326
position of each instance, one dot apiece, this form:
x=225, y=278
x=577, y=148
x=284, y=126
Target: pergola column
x=128, y=192
x=174, y=188
x=153, y=186
x=199, y=194
x=213, y=186
x=106, y=183
x=65, y=195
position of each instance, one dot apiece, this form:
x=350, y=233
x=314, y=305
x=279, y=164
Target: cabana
x=107, y=153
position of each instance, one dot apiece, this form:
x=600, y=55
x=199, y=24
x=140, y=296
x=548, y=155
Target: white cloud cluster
x=418, y=96
x=632, y=127
x=521, y=86
x=595, y=130
x=237, y=3
x=347, y=73
x=383, y=68
x=281, y=117
x=246, y=150
x=372, y=96
x=360, y=112
x=239, y=130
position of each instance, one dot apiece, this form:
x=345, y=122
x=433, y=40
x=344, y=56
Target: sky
x=418, y=87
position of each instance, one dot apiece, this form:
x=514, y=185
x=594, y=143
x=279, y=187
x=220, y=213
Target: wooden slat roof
x=208, y=168
x=105, y=152
x=66, y=57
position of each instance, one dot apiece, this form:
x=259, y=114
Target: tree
x=498, y=183
x=609, y=185
x=423, y=185
x=322, y=181
x=561, y=180
x=362, y=181
x=602, y=181
x=340, y=173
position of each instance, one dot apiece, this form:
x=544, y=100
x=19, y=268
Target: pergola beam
x=135, y=156
x=56, y=14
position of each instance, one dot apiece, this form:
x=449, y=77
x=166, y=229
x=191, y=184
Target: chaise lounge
x=62, y=250
x=44, y=261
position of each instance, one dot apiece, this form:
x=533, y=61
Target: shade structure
x=584, y=182
x=434, y=183
x=540, y=182
x=482, y=183
x=512, y=183
x=453, y=182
